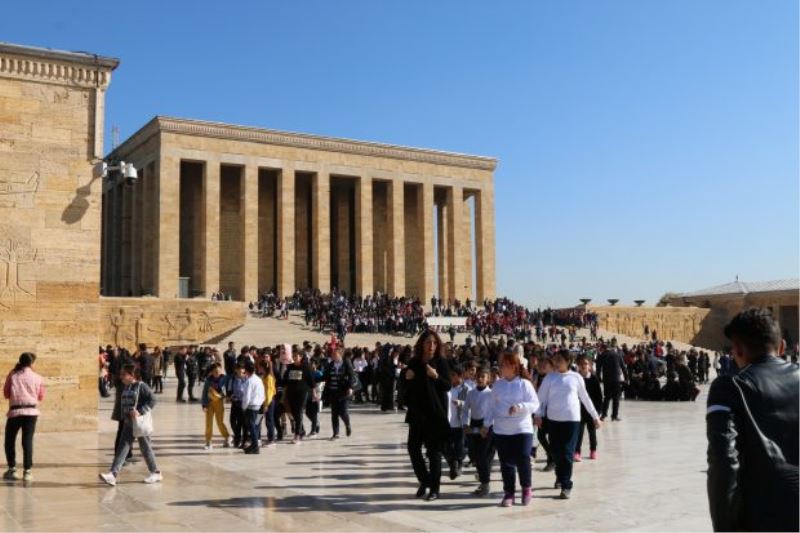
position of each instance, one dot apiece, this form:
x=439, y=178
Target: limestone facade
x=700, y=317
x=51, y=134
x=246, y=210
x=128, y=322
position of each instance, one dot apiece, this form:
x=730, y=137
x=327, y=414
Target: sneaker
x=335, y=437
x=348, y=431
x=593, y=455
x=208, y=447
x=11, y=474
x=482, y=490
x=421, y=491
x=109, y=478
x=296, y=440
x=252, y=450
x=527, y=495
x=507, y=501
x=154, y=477
x=557, y=485
x=549, y=467
x=433, y=496
x=617, y=419
x=453, y=472
x=565, y=494
x=576, y=457
x=227, y=443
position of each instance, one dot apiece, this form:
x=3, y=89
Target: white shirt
x=561, y=396
x=253, y=395
x=519, y=393
x=456, y=413
x=478, y=403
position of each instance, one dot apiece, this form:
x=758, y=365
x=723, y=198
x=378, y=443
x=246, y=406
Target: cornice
x=55, y=66
x=301, y=140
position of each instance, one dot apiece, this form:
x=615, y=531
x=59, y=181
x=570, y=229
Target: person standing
x=229, y=358
x=157, y=360
x=24, y=390
x=180, y=372
x=192, y=371
x=298, y=384
x=338, y=378
x=137, y=400
x=213, y=402
x=752, y=430
x=587, y=423
x=427, y=384
x=253, y=398
x=611, y=372
x=561, y=395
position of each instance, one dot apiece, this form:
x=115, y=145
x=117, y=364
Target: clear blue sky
x=644, y=146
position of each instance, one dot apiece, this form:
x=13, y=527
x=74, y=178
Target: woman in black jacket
x=298, y=382
x=427, y=382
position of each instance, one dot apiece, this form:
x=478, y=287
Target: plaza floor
x=650, y=476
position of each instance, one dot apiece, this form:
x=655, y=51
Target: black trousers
x=563, y=437
x=429, y=474
x=297, y=405
x=483, y=449
x=312, y=413
x=192, y=379
x=28, y=426
x=339, y=410
x=239, y=425
x=387, y=394
x=611, y=393
x=181, y=385
x=542, y=435
x=588, y=424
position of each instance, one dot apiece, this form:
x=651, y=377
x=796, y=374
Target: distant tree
x=665, y=300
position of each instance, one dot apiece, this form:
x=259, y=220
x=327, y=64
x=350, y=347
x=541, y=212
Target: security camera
x=129, y=173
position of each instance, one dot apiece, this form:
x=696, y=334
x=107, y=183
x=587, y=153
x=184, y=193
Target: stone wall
x=166, y=322
x=692, y=325
x=51, y=131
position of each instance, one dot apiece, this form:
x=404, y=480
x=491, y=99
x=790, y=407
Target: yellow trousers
x=216, y=410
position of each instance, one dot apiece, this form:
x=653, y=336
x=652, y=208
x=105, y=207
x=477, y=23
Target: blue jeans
x=514, y=452
x=254, y=424
x=269, y=418
x=563, y=439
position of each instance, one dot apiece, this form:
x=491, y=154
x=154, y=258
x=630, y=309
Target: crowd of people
x=511, y=397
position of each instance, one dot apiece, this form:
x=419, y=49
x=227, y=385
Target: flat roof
x=741, y=287
x=83, y=58
x=221, y=130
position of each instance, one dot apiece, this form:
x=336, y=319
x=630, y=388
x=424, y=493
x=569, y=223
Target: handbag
x=142, y=424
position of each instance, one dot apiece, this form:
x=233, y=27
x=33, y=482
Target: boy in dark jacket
x=596, y=395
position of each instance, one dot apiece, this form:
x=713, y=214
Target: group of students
x=456, y=413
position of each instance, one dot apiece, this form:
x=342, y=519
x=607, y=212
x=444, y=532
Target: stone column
x=248, y=210
x=211, y=201
x=425, y=214
x=455, y=242
x=136, y=238
x=396, y=284
x=442, y=252
x=285, y=259
x=321, y=231
x=467, y=248
x=169, y=201
x=484, y=244
x=363, y=229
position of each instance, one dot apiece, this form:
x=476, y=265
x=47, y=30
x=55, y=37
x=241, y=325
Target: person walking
x=137, y=401
x=752, y=429
x=562, y=393
x=180, y=373
x=427, y=384
x=513, y=403
x=612, y=374
x=339, y=378
x=24, y=390
x=213, y=402
x=253, y=399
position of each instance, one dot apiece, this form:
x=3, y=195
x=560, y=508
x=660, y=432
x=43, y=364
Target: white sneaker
x=109, y=478
x=208, y=447
x=227, y=443
x=154, y=477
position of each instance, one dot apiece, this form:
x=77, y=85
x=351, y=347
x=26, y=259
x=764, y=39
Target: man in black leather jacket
x=752, y=429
